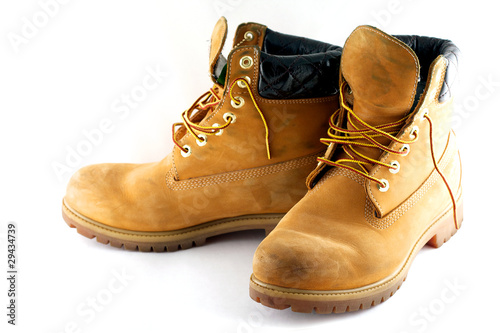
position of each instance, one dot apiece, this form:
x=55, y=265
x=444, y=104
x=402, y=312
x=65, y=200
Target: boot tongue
x=217, y=61
x=382, y=73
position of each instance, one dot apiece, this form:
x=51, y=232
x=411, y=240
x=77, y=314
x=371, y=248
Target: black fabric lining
x=427, y=50
x=294, y=67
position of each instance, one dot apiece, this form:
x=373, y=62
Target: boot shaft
x=280, y=113
x=430, y=124
x=408, y=79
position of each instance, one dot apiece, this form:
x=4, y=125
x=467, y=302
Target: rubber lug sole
x=166, y=241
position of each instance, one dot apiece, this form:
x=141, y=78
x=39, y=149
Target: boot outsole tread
x=91, y=230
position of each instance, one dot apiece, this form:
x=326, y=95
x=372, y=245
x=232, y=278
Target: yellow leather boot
x=389, y=183
x=242, y=152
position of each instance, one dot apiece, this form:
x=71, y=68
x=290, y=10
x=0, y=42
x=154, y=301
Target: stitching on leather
x=221, y=104
x=409, y=104
x=173, y=164
x=189, y=184
x=230, y=68
x=296, y=101
x=441, y=81
x=405, y=132
x=407, y=128
x=341, y=172
x=255, y=83
x=258, y=97
x=386, y=222
x=373, y=196
x=386, y=156
x=407, y=262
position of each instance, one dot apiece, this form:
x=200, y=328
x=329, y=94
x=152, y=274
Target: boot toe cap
x=293, y=259
x=290, y=259
x=92, y=192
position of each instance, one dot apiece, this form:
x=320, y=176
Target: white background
x=64, y=80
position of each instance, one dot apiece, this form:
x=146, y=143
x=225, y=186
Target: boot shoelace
x=206, y=102
x=364, y=136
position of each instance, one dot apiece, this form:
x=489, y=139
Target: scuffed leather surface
x=296, y=67
x=328, y=242
x=332, y=239
x=428, y=49
x=382, y=73
x=417, y=165
x=146, y=197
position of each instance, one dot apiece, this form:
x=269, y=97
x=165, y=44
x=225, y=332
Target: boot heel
x=446, y=228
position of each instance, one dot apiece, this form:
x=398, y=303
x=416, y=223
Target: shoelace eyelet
x=187, y=152
x=228, y=115
x=207, y=103
x=240, y=104
x=406, y=148
x=248, y=36
x=241, y=84
x=414, y=133
x=395, y=167
x=385, y=186
x=203, y=140
x=219, y=132
x=246, y=62
x=424, y=114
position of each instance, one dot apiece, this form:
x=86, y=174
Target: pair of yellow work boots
x=250, y=153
